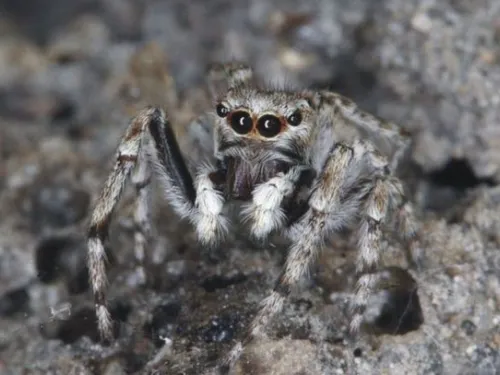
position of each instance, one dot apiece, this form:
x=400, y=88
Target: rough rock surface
x=440, y=60
x=72, y=74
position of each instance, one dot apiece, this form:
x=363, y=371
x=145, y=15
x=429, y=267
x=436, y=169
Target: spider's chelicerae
x=305, y=163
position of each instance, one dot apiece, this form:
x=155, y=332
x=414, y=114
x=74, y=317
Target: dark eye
x=295, y=118
x=241, y=122
x=221, y=110
x=269, y=126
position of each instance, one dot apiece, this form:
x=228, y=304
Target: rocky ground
x=71, y=75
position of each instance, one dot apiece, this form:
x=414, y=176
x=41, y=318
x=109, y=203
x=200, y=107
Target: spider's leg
x=126, y=159
x=141, y=179
x=386, y=198
x=369, y=235
x=308, y=234
x=390, y=138
x=222, y=77
x=407, y=226
x=180, y=191
x=391, y=142
x=267, y=210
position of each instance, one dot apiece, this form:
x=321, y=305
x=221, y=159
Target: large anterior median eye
x=269, y=126
x=241, y=122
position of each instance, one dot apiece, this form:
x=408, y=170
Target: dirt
x=73, y=73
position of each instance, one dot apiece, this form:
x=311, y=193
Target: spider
x=307, y=164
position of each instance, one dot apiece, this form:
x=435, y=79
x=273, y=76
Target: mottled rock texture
x=72, y=74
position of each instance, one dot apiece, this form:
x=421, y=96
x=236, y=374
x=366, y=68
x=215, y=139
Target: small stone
x=221, y=329
x=422, y=22
x=85, y=37
x=161, y=323
x=471, y=349
x=488, y=56
x=285, y=356
x=496, y=340
x=469, y=327
x=114, y=368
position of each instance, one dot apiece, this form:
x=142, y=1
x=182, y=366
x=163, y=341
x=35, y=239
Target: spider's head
x=264, y=119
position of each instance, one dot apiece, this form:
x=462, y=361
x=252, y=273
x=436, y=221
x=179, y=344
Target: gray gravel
x=72, y=74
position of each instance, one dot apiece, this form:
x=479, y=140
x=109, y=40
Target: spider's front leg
x=141, y=178
x=199, y=201
x=308, y=234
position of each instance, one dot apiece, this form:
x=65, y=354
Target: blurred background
x=72, y=73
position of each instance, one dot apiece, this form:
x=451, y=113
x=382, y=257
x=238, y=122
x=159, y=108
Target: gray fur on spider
x=305, y=163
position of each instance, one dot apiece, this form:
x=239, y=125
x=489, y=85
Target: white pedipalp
x=210, y=223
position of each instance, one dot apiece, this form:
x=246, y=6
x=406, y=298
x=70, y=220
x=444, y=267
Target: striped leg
x=310, y=231
x=370, y=236
x=198, y=201
x=141, y=178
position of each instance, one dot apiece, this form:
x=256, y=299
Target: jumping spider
x=305, y=163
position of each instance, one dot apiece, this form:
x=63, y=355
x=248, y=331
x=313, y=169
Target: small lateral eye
x=221, y=110
x=269, y=126
x=241, y=122
x=295, y=118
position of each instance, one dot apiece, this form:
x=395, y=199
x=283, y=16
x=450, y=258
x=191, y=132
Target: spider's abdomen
x=242, y=176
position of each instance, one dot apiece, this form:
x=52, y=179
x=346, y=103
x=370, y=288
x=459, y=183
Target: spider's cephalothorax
x=307, y=164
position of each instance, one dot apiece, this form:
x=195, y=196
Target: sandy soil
x=73, y=73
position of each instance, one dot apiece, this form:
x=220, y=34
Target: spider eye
x=241, y=122
x=295, y=118
x=269, y=126
x=221, y=110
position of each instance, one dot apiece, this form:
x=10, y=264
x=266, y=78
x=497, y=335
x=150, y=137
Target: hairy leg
x=407, y=228
x=309, y=233
x=141, y=179
x=126, y=159
x=222, y=77
x=179, y=188
x=369, y=249
x=390, y=138
x=386, y=199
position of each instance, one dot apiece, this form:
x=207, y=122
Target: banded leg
x=179, y=189
x=225, y=76
x=403, y=220
x=386, y=199
x=309, y=231
x=390, y=138
x=141, y=179
x=126, y=159
x=408, y=231
x=369, y=250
